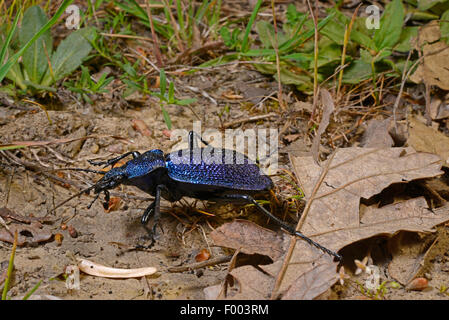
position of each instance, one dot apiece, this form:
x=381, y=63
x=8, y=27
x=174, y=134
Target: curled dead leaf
x=249, y=237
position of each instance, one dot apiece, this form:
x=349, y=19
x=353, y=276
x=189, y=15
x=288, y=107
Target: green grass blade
x=32, y=290
x=10, y=268
x=9, y=37
x=250, y=25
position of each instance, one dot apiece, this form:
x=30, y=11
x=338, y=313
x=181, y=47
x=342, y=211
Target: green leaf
x=166, y=117
x=35, y=61
x=444, y=26
x=405, y=41
x=15, y=75
x=162, y=82
x=302, y=81
x=226, y=36
x=171, y=93
x=4, y=69
x=250, y=25
x=358, y=71
x=69, y=55
x=266, y=33
x=390, y=25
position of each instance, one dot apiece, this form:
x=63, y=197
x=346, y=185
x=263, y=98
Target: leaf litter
x=335, y=218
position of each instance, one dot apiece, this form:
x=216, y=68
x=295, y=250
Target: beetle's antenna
x=95, y=199
x=82, y=170
x=74, y=196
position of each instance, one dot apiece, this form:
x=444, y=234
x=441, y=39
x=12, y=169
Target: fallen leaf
x=334, y=220
x=328, y=108
x=253, y=284
x=376, y=134
x=433, y=69
x=439, y=109
x=427, y=139
x=249, y=237
x=212, y=292
x=408, y=252
x=313, y=282
x=27, y=234
x=95, y=269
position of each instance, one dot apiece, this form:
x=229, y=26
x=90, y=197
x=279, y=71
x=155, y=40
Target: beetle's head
x=111, y=179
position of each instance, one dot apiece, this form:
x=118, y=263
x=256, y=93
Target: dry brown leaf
x=27, y=234
x=313, y=282
x=408, y=252
x=439, y=109
x=377, y=135
x=328, y=108
x=433, y=70
x=249, y=237
x=253, y=284
x=334, y=220
x=427, y=139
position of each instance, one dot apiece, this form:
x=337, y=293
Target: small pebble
x=72, y=231
x=58, y=238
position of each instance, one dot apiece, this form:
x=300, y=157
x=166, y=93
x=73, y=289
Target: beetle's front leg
x=154, y=209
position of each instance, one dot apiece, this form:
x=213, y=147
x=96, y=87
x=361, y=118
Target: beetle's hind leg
x=281, y=223
x=113, y=161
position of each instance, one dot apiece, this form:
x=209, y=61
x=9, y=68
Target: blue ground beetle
x=189, y=173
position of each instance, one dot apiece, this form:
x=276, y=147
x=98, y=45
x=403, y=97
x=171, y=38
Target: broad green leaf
x=405, y=41
x=390, y=25
x=357, y=72
x=34, y=59
x=69, y=55
x=15, y=75
x=265, y=30
x=302, y=81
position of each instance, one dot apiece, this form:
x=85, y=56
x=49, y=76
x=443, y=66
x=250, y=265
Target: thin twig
x=250, y=119
x=293, y=239
x=202, y=264
x=157, y=51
